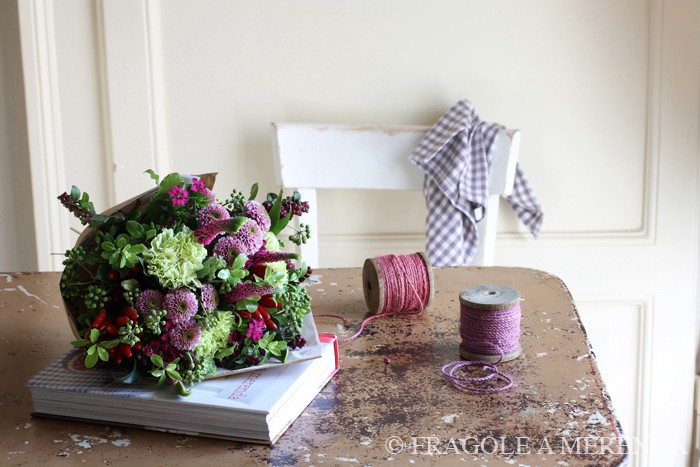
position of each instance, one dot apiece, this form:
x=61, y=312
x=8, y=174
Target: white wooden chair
x=316, y=156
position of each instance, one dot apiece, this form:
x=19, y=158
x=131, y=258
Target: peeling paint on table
x=371, y=413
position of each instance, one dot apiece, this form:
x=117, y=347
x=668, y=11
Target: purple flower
x=179, y=195
x=250, y=236
x=256, y=211
x=245, y=290
x=149, y=300
x=209, y=297
x=256, y=327
x=213, y=212
x=185, y=336
x=228, y=248
x=180, y=304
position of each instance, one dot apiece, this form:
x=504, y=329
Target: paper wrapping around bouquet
x=311, y=350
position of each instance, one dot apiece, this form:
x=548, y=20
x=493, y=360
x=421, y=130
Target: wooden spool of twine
x=490, y=323
x=398, y=284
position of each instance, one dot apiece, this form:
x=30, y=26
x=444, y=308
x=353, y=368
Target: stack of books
x=255, y=406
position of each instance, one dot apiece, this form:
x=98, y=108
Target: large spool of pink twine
x=395, y=284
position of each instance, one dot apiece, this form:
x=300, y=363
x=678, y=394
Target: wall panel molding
x=601, y=317
x=44, y=131
x=129, y=36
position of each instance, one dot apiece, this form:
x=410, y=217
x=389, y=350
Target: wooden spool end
x=489, y=298
x=467, y=355
x=374, y=289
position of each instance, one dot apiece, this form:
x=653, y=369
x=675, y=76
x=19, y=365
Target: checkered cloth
x=456, y=156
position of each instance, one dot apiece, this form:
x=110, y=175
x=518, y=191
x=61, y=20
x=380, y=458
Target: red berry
x=125, y=350
x=121, y=320
x=130, y=312
x=244, y=314
x=99, y=319
x=387, y=360
x=113, y=276
x=269, y=302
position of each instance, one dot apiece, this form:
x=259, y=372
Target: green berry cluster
x=154, y=320
x=96, y=297
x=235, y=202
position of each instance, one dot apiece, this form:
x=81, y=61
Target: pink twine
x=406, y=289
x=485, y=332
x=474, y=383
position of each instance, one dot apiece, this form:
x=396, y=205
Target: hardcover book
x=255, y=406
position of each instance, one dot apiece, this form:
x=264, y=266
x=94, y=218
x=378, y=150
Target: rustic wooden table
x=371, y=413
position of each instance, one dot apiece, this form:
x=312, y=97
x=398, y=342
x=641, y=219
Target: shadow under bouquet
x=178, y=286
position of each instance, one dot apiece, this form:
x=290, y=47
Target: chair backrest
x=316, y=156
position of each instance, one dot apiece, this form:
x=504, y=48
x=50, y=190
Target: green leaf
x=154, y=176
x=108, y=247
x=181, y=389
x=91, y=360
x=138, y=249
x=253, y=191
x=109, y=344
x=223, y=274
x=279, y=227
x=157, y=373
x=174, y=375
x=275, y=210
x=236, y=224
x=75, y=193
x=102, y=353
x=134, y=228
x=79, y=343
x=92, y=349
x=170, y=181
x=239, y=262
x=157, y=360
x=94, y=335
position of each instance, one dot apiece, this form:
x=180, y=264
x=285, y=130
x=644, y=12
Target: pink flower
x=198, y=186
x=256, y=327
x=179, y=195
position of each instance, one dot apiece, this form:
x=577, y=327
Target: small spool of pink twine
x=490, y=332
x=489, y=323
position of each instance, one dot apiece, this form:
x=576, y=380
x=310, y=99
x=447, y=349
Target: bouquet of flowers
x=177, y=285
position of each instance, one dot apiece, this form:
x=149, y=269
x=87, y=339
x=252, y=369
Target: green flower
x=175, y=258
x=272, y=243
x=215, y=336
